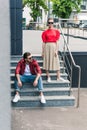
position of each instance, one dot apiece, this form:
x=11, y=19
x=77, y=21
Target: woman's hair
x=26, y=54
x=50, y=19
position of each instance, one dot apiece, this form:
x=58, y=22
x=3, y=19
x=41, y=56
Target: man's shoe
x=49, y=79
x=42, y=99
x=16, y=98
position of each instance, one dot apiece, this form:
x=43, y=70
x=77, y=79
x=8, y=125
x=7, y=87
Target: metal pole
x=49, y=8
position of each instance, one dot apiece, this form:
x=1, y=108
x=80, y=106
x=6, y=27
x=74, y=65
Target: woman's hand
x=56, y=53
x=42, y=54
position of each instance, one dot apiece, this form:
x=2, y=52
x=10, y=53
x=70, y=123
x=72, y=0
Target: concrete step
x=47, y=92
x=40, y=62
x=53, y=83
x=57, y=93
x=62, y=70
x=51, y=101
x=44, y=77
x=54, y=76
x=35, y=56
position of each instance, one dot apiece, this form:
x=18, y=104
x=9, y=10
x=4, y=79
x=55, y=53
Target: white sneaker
x=49, y=79
x=61, y=79
x=16, y=98
x=42, y=99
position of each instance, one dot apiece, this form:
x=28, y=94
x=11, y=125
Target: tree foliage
x=63, y=8
x=35, y=5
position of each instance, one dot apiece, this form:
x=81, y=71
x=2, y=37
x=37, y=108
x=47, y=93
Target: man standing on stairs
x=28, y=70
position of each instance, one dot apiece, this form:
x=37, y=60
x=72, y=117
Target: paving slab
x=58, y=118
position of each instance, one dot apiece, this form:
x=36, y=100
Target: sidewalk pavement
x=32, y=42
x=57, y=118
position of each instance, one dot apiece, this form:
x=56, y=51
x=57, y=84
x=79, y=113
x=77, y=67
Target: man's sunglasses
x=30, y=58
x=50, y=22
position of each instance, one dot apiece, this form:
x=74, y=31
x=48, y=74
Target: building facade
x=74, y=15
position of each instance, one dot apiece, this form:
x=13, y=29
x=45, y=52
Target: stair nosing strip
x=35, y=98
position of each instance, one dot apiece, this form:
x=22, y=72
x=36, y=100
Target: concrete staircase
x=57, y=93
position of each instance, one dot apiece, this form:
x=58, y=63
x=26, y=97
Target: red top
x=34, y=67
x=50, y=35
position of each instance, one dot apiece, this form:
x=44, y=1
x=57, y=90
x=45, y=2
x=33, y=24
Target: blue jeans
x=29, y=79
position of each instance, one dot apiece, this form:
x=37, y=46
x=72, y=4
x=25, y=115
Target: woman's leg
x=48, y=76
x=47, y=73
x=58, y=74
x=59, y=77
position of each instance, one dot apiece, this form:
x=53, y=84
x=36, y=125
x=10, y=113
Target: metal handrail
x=75, y=65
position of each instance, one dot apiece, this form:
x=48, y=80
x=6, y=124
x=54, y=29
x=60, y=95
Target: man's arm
x=36, y=80
x=19, y=81
x=38, y=70
x=17, y=73
x=38, y=76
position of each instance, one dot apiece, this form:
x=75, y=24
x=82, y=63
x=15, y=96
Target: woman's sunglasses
x=50, y=22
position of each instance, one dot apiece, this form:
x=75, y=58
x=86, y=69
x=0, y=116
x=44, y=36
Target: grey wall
x=80, y=59
x=4, y=65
